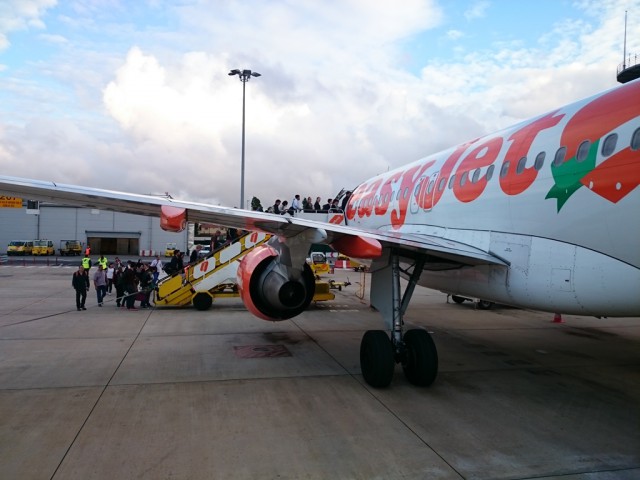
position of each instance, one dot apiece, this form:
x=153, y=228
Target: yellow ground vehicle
x=170, y=249
x=43, y=247
x=70, y=247
x=20, y=247
x=318, y=263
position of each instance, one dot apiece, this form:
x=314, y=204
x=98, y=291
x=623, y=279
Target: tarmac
x=186, y=394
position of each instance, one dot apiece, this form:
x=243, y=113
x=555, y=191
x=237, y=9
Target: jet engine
x=271, y=289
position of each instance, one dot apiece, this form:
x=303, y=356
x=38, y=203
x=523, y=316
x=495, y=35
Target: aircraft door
x=429, y=191
x=424, y=189
x=417, y=194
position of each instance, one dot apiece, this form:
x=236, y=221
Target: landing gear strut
x=414, y=349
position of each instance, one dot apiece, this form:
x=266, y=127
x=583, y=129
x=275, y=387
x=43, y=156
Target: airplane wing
x=442, y=250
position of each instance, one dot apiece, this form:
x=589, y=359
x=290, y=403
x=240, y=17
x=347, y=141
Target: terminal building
x=106, y=232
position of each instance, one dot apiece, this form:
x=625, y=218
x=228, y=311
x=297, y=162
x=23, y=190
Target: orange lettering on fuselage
x=409, y=179
x=513, y=183
x=429, y=201
x=366, y=204
x=386, y=194
x=481, y=156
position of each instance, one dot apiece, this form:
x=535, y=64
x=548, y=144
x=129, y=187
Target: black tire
x=457, y=299
x=202, y=301
x=420, y=364
x=484, y=304
x=376, y=358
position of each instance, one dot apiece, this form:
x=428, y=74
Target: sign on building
x=10, y=202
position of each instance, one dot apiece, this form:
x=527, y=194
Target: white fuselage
x=569, y=225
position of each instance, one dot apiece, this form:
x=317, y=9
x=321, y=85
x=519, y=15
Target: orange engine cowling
x=271, y=290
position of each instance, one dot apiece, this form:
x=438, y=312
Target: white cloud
x=477, y=10
x=18, y=15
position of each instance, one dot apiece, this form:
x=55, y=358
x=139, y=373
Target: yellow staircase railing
x=213, y=276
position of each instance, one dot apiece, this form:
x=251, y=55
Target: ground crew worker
x=103, y=261
x=86, y=263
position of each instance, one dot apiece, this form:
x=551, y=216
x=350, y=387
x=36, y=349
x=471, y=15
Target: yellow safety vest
x=103, y=262
x=86, y=263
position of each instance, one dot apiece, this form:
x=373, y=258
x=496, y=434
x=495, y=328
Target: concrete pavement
x=184, y=394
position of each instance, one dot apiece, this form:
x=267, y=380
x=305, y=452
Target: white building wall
x=72, y=223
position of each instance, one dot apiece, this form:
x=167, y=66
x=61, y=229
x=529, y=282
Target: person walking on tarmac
x=100, y=284
x=86, y=263
x=80, y=283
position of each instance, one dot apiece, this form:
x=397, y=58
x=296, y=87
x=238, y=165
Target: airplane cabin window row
x=608, y=147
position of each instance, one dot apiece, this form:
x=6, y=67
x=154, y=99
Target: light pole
x=245, y=76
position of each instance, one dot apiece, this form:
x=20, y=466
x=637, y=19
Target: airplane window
x=431, y=184
x=504, y=169
x=476, y=175
x=635, y=140
x=443, y=182
x=583, y=151
x=406, y=192
x=520, y=167
x=463, y=178
x=415, y=193
x=609, y=144
x=377, y=200
x=539, y=161
x=559, y=158
x=451, y=181
x=490, y=171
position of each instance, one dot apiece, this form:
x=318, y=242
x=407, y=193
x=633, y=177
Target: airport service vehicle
x=70, y=247
x=540, y=215
x=318, y=263
x=171, y=247
x=20, y=247
x=43, y=247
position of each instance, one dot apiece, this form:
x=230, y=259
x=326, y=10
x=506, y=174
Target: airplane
x=541, y=215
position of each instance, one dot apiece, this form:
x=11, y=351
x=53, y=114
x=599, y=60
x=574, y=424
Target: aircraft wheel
x=420, y=364
x=457, y=299
x=202, y=301
x=484, y=304
x=376, y=358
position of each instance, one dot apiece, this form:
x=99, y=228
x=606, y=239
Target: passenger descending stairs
x=212, y=277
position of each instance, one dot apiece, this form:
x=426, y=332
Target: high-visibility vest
x=86, y=263
x=103, y=261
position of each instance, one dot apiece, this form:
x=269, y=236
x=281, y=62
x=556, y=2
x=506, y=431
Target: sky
x=135, y=96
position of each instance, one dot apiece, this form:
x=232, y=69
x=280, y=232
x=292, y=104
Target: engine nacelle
x=271, y=290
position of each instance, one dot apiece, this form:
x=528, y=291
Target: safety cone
x=557, y=318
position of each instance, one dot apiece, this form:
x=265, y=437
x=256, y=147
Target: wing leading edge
x=280, y=225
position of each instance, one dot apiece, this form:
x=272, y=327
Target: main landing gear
x=414, y=349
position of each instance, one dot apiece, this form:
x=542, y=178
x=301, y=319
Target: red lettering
x=366, y=205
x=409, y=179
x=353, y=201
x=424, y=186
x=513, y=183
x=481, y=156
x=386, y=194
x=429, y=201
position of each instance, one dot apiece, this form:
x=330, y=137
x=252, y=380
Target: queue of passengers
x=308, y=205
x=133, y=281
